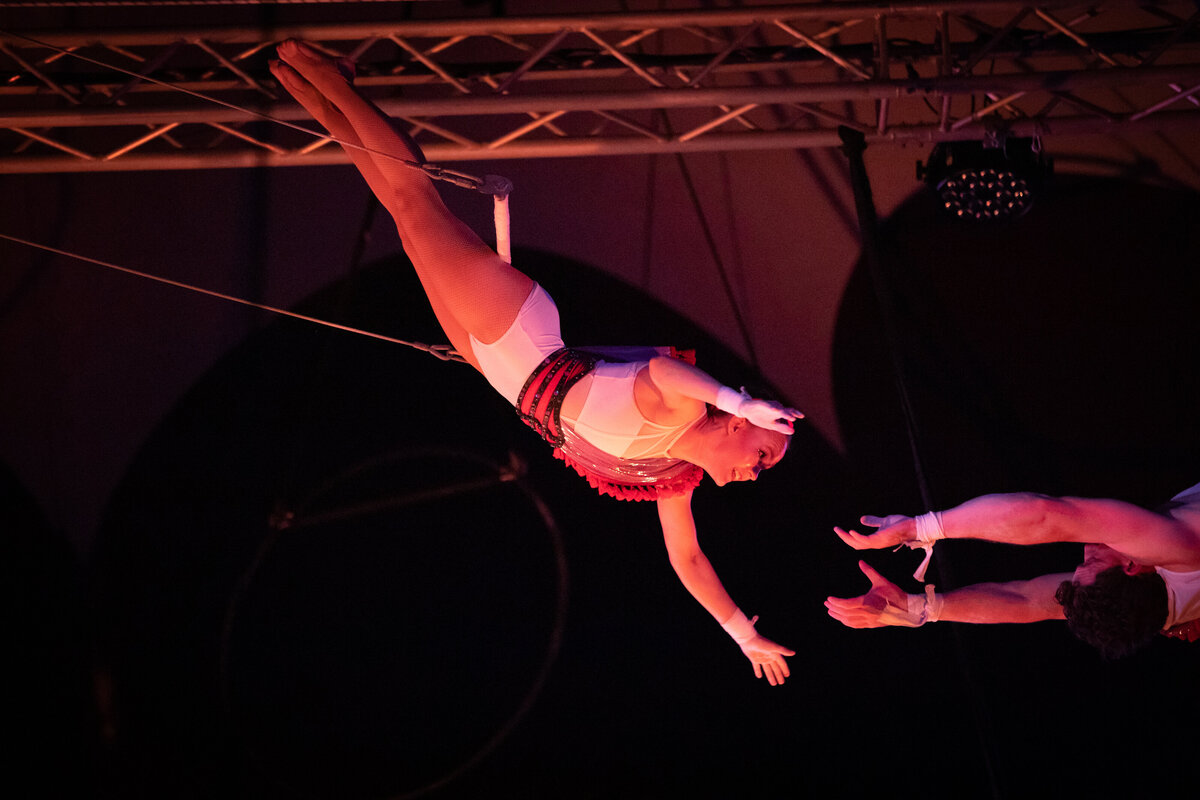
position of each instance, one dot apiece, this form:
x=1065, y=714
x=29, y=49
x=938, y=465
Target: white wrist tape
x=730, y=400
x=739, y=627
x=933, y=604
x=921, y=608
x=929, y=530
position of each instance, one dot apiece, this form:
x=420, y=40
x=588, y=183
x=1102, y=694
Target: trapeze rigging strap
x=497, y=186
x=503, y=239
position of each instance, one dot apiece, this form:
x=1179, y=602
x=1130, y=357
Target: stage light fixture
x=998, y=178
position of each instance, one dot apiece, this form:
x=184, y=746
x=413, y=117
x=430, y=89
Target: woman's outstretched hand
x=893, y=531
x=768, y=659
x=768, y=414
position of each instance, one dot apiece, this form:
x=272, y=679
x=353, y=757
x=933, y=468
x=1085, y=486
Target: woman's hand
x=894, y=530
x=768, y=414
x=767, y=658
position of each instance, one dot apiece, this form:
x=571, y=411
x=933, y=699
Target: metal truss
x=783, y=76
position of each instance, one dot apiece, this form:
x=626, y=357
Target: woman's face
x=745, y=451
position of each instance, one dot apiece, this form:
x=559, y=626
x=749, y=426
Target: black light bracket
x=996, y=178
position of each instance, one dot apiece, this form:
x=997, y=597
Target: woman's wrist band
x=739, y=627
x=729, y=400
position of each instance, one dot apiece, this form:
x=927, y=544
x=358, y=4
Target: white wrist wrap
x=929, y=530
x=739, y=627
x=921, y=608
x=933, y=604
x=729, y=400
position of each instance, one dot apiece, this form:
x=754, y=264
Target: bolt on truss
x=784, y=76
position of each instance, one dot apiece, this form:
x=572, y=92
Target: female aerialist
x=645, y=429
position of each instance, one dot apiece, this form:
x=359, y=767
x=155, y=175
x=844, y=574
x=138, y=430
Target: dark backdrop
x=339, y=568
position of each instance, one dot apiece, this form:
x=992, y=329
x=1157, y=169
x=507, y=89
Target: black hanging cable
x=712, y=247
x=319, y=368
x=289, y=514
x=648, y=219
x=717, y=260
x=853, y=145
x=281, y=512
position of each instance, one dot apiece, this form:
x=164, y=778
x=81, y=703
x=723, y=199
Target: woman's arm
x=677, y=384
x=700, y=579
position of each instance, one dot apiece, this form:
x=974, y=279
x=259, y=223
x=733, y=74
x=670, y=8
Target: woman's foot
x=327, y=74
x=323, y=85
x=305, y=94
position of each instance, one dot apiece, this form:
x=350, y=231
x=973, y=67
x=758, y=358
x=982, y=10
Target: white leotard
x=609, y=418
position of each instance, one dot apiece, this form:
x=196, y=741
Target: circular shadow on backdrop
x=48, y=697
x=312, y=582
x=372, y=595
x=1054, y=353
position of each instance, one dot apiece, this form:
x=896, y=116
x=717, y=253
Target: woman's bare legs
x=337, y=125
x=472, y=289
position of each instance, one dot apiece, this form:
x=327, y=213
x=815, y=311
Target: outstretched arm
x=1025, y=518
x=677, y=383
x=982, y=603
x=700, y=579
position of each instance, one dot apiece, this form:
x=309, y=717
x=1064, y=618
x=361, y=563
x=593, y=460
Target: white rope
x=495, y=185
x=444, y=352
x=433, y=171
x=171, y=3
x=489, y=184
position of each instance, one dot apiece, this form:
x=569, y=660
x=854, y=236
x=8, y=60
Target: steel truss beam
x=771, y=77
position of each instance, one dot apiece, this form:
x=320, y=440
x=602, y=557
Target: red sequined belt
x=540, y=402
x=1187, y=631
